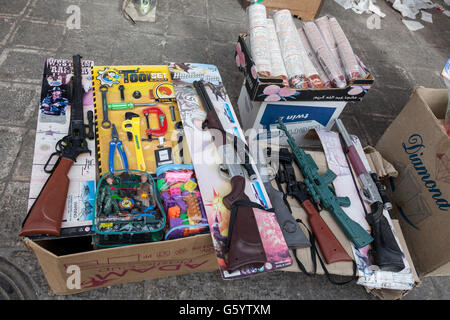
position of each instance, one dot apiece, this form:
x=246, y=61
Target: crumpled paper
x=410, y=8
x=361, y=6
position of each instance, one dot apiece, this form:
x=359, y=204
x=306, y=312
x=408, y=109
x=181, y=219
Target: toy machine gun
x=46, y=214
x=244, y=243
x=318, y=188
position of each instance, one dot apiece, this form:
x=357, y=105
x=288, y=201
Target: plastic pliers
x=115, y=142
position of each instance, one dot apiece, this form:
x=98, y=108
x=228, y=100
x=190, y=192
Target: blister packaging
x=182, y=201
x=128, y=210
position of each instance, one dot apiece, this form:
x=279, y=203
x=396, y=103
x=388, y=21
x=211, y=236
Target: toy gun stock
x=46, y=214
x=244, y=244
x=385, y=251
x=318, y=187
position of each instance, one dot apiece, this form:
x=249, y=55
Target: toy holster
x=245, y=246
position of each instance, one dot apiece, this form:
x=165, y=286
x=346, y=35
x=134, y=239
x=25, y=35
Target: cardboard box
x=261, y=88
x=419, y=148
x=298, y=116
x=302, y=9
x=106, y=267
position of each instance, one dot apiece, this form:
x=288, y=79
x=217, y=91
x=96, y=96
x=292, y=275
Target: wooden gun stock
x=246, y=248
x=45, y=216
x=329, y=245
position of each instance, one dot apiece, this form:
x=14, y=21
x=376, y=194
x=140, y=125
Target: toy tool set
x=136, y=111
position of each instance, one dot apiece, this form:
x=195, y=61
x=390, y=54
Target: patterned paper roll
x=326, y=83
x=276, y=60
x=324, y=55
x=346, y=53
x=300, y=70
x=259, y=42
x=324, y=26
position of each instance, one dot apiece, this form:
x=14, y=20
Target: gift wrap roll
x=276, y=60
x=351, y=66
x=324, y=55
x=326, y=83
x=259, y=42
x=300, y=70
x=323, y=25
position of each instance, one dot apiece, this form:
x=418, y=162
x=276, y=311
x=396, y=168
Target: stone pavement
x=189, y=31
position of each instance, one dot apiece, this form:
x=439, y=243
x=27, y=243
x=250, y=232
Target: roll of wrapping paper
x=351, y=66
x=259, y=42
x=300, y=70
x=324, y=55
x=324, y=27
x=326, y=83
x=276, y=60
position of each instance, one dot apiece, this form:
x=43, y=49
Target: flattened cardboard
x=419, y=148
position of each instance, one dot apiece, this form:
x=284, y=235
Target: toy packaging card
x=137, y=120
x=53, y=124
x=206, y=160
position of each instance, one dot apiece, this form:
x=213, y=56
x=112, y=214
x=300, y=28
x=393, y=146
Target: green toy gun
x=318, y=188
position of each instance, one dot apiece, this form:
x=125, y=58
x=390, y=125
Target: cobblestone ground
x=188, y=31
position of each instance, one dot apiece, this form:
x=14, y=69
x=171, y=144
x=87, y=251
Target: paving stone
x=22, y=65
x=25, y=36
x=226, y=10
x=186, y=27
x=49, y=10
x=9, y=148
x=6, y=27
x=16, y=7
x=23, y=168
x=20, y=103
x=14, y=209
x=224, y=31
x=185, y=50
x=192, y=8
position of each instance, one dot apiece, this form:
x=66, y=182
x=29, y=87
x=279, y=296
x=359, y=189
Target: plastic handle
x=47, y=212
x=385, y=250
x=246, y=248
x=329, y=245
x=293, y=234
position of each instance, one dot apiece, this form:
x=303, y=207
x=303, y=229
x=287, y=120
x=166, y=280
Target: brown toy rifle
x=46, y=214
x=244, y=243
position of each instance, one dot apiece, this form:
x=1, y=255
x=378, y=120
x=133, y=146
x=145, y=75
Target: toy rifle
x=329, y=245
x=293, y=234
x=244, y=244
x=318, y=188
x=46, y=214
x=385, y=251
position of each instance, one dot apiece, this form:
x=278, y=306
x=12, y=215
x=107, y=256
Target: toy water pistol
x=244, y=244
x=46, y=214
x=132, y=124
x=318, y=187
x=385, y=251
